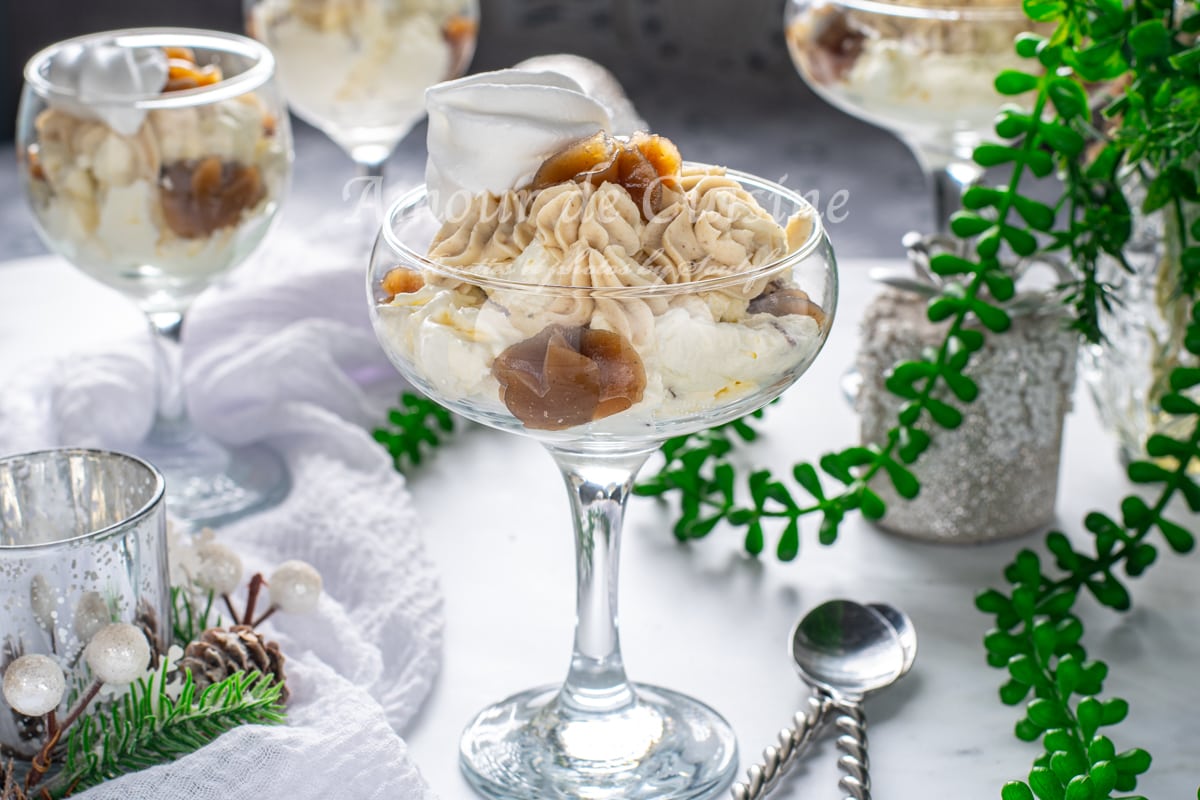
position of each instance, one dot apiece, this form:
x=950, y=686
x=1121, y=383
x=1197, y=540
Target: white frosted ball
x=34, y=685
x=91, y=614
x=118, y=654
x=295, y=587
x=219, y=569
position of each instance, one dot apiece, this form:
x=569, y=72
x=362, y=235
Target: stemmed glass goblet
x=924, y=71
x=155, y=160
x=358, y=69
x=601, y=376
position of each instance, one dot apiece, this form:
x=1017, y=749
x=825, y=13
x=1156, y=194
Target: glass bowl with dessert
x=358, y=69
x=923, y=69
x=599, y=294
x=155, y=160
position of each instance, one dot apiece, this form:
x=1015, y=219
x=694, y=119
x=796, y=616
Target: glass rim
x=411, y=200
x=948, y=12
x=129, y=520
x=259, y=73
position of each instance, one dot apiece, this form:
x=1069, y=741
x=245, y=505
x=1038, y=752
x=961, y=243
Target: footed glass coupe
x=155, y=160
x=601, y=375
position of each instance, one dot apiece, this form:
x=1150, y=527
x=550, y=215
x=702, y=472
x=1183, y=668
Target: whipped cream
x=490, y=132
x=99, y=79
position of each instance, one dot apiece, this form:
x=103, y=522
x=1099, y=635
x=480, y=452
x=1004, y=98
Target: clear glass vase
x=1129, y=372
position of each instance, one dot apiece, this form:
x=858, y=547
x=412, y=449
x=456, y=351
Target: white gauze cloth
x=283, y=352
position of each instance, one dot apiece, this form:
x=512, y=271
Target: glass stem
x=171, y=421
x=948, y=184
x=599, y=486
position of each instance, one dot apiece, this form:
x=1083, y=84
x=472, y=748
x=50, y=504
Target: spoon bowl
x=905, y=631
x=848, y=649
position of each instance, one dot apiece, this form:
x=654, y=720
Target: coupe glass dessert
x=601, y=295
x=924, y=70
x=358, y=69
x=155, y=160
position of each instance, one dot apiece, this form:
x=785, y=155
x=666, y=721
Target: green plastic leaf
x=994, y=318
x=872, y=505
x=1101, y=749
x=1000, y=285
x=1046, y=713
x=963, y=387
x=754, y=538
x=1113, y=711
x=1015, y=790
x=1067, y=764
x=1067, y=675
x=1158, y=194
x=1104, y=777
x=1013, y=82
x=944, y=414
x=1146, y=472
x=1022, y=241
x=992, y=602
x=1068, y=97
x=913, y=442
x=806, y=476
x=950, y=264
x=1013, y=692
x=1188, y=60
x=1150, y=39
x=1179, y=538
x=789, y=541
x=1023, y=668
x=1005, y=644
x=1011, y=123
x=973, y=340
x=967, y=224
x=1081, y=788
x=1139, y=559
x=905, y=483
x=1135, y=512
x=1027, y=731
x=1088, y=712
x=1043, y=10
x=1135, y=761
x=1058, y=603
x=1065, y=141
x=1045, y=784
x=993, y=155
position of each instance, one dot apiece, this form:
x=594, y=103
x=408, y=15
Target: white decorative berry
x=219, y=569
x=34, y=685
x=91, y=614
x=295, y=587
x=118, y=654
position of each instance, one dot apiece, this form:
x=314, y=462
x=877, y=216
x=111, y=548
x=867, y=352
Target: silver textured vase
x=996, y=476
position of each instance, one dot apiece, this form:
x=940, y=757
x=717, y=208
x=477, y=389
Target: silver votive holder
x=82, y=544
x=996, y=475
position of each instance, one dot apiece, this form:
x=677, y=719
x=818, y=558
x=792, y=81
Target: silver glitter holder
x=996, y=475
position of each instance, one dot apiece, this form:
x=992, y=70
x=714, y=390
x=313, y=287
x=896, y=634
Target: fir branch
x=188, y=620
x=417, y=426
x=10, y=788
x=147, y=727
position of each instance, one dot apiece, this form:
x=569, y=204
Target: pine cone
x=220, y=652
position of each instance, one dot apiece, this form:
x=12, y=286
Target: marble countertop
x=707, y=620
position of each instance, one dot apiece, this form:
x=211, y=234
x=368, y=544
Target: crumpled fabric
x=283, y=352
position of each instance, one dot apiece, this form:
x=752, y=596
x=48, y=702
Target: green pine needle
x=146, y=727
x=416, y=427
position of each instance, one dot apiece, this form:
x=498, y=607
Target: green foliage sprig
x=414, y=428
x=1148, y=51
x=147, y=727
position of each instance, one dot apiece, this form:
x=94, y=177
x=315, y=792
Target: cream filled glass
x=924, y=69
x=358, y=69
x=155, y=160
x=600, y=294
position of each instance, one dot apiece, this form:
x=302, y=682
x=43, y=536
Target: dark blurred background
x=714, y=75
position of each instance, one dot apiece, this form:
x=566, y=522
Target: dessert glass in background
x=154, y=160
x=615, y=299
x=358, y=69
x=82, y=544
x=923, y=70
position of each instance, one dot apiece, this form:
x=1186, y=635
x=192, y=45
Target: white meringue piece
x=597, y=83
x=490, y=132
x=99, y=80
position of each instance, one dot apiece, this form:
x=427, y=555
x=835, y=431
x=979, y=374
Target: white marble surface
x=707, y=620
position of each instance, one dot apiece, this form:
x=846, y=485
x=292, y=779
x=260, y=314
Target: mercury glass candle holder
x=82, y=544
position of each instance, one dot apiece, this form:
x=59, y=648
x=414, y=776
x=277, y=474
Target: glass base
x=664, y=746
x=209, y=485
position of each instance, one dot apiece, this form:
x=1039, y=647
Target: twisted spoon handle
x=852, y=724
x=777, y=761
